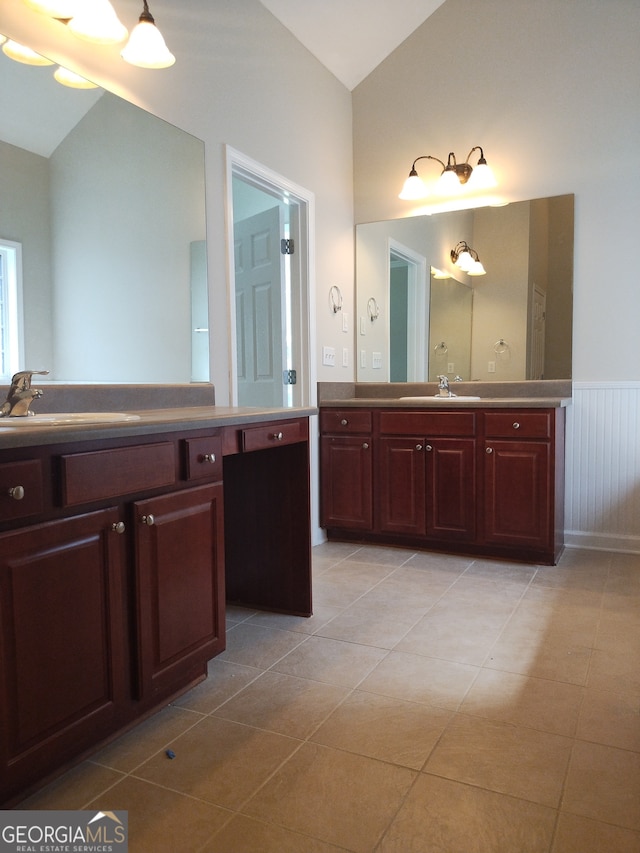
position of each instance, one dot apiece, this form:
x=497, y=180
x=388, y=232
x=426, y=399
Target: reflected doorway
x=408, y=314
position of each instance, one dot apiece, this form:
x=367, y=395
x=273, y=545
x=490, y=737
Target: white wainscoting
x=602, y=508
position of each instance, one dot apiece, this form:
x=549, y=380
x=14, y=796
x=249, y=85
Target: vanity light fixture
x=146, y=48
x=335, y=298
x=439, y=274
x=466, y=259
x=62, y=9
x=73, y=80
x=453, y=176
x=24, y=54
x=97, y=21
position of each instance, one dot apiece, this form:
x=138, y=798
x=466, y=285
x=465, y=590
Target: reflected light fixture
x=146, y=48
x=96, y=21
x=453, y=177
x=439, y=274
x=466, y=259
x=73, y=80
x=62, y=9
x=24, y=54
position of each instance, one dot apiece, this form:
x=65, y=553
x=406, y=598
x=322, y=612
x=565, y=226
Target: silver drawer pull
x=149, y=520
x=209, y=457
x=16, y=492
x=344, y=422
x=118, y=527
x=277, y=436
x=489, y=450
x=365, y=446
x=516, y=425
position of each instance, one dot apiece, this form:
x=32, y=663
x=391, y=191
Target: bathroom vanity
x=478, y=476
x=119, y=544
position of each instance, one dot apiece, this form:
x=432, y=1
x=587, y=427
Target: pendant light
x=24, y=54
x=146, y=47
x=73, y=80
x=96, y=21
x=63, y=9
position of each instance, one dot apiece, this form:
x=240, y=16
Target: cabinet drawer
x=518, y=424
x=345, y=420
x=21, y=489
x=204, y=458
x=428, y=423
x=103, y=474
x=273, y=435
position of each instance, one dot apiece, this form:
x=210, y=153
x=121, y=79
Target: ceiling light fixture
x=24, y=54
x=146, y=48
x=453, y=176
x=97, y=21
x=466, y=259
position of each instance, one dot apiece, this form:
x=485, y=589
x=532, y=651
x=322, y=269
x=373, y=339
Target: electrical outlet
x=329, y=356
x=491, y=367
x=451, y=367
x=345, y=356
x=345, y=322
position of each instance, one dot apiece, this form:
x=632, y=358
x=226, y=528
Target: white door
x=259, y=309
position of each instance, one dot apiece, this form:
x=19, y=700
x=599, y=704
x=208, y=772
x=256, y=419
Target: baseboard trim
x=602, y=542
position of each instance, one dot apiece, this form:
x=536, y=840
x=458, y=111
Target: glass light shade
x=24, y=54
x=146, y=48
x=414, y=187
x=465, y=261
x=482, y=178
x=73, y=80
x=448, y=183
x=55, y=8
x=97, y=21
x=439, y=274
x=476, y=268
x=2, y=39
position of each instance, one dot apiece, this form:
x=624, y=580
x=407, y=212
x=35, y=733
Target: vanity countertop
x=434, y=402
x=148, y=422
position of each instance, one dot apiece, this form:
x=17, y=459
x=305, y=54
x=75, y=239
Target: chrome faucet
x=443, y=386
x=21, y=394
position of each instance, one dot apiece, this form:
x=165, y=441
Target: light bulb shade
x=73, y=80
x=414, y=187
x=2, y=39
x=482, y=178
x=465, y=261
x=476, y=268
x=97, y=21
x=448, y=183
x=146, y=48
x=55, y=8
x=24, y=54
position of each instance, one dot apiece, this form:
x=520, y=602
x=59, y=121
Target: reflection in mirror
x=525, y=300
x=108, y=204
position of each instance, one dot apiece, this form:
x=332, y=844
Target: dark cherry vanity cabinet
x=470, y=480
x=112, y=576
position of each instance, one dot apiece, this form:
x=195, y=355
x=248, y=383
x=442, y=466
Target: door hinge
x=286, y=247
x=289, y=377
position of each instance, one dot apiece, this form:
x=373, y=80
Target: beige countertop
x=148, y=422
x=452, y=403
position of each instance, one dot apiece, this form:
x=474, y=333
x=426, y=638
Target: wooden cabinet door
x=179, y=546
x=346, y=482
x=518, y=506
x=400, y=498
x=63, y=668
x=451, y=489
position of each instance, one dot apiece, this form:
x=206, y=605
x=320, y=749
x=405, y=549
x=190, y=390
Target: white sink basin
x=68, y=418
x=435, y=399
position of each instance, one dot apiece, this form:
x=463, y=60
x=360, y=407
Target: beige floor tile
x=550, y=706
x=245, y=835
x=255, y=645
x=341, y=585
x=420, y=679
x=331, y=661
x=223, y=681
x=581, y=835
x=508, y=759
x=557, y=656
x=617, y=671
x=302, y=624
x=449, y=565
x=610, y=718
x=145, y=740
x=448, y=817
x=410, y=587
x=235, y=613
x=372, y=623
x=380, y=727
x=335, y=796
x=74, y=789
x=219, y=761
x=604, y=783
x=281, y=703
x=380, y=555
x=159, y=820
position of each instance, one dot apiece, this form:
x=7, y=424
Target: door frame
x=238, y=164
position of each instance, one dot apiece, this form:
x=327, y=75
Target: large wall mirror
x=430, y=318
x=108, y=205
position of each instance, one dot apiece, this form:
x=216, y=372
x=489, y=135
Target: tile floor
x=432, y=704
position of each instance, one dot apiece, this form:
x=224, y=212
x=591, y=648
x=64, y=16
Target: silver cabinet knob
x=118, y=527
x=365, y=446
x=277, y=436
x=489, y=450
x=516, y=425
x=344, y=422
x=418, y=447
x=209, y=457
x=16, y=493
x=149, y=520
x=429, y=447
